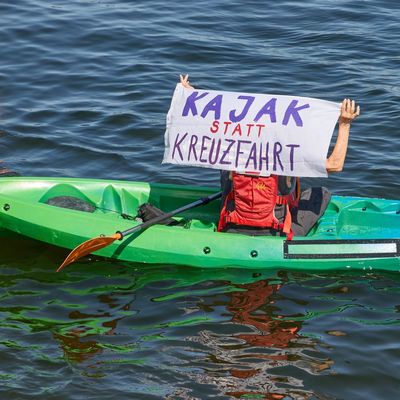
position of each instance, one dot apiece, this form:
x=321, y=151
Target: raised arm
x=185, y=81
x=348, y=112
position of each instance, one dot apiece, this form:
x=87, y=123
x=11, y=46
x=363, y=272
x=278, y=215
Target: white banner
x=249, y=133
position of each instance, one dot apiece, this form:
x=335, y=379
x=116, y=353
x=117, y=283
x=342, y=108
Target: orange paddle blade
x=88, y=247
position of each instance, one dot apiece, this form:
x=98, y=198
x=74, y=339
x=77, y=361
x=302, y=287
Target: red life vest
x=254, y=199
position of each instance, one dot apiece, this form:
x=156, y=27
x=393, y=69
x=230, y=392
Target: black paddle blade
x=88, y=247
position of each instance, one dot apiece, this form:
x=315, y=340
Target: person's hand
x=348, y=112
x=185, y=81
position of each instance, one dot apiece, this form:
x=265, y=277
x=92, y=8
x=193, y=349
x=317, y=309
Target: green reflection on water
x=16, y=346
x=234, y=328
x=187, y=322
x=191, y=293
x=118, y=348
x=8, y=377
x=125, y=361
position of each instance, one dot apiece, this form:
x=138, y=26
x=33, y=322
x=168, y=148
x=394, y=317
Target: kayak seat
x=71, y=202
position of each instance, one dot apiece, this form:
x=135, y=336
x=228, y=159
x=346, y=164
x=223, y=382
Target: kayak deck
x=354, y=232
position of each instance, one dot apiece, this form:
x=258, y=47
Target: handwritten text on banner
x=255, y=133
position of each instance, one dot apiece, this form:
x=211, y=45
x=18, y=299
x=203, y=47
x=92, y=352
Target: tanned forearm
x=348, y=113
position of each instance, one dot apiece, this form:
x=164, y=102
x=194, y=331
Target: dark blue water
x=84, y=91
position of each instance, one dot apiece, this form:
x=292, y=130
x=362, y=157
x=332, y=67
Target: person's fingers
x=343, y=106
x=353, y=106
x=349, y=110
x=344, y=109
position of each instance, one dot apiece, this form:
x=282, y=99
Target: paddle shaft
x=98, y=243
x=170, y=214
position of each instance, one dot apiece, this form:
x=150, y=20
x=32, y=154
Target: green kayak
x=354, y=232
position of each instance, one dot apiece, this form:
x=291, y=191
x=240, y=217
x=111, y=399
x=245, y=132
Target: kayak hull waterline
x=354, y=232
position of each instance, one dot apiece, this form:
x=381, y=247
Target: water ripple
x=84, y=90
